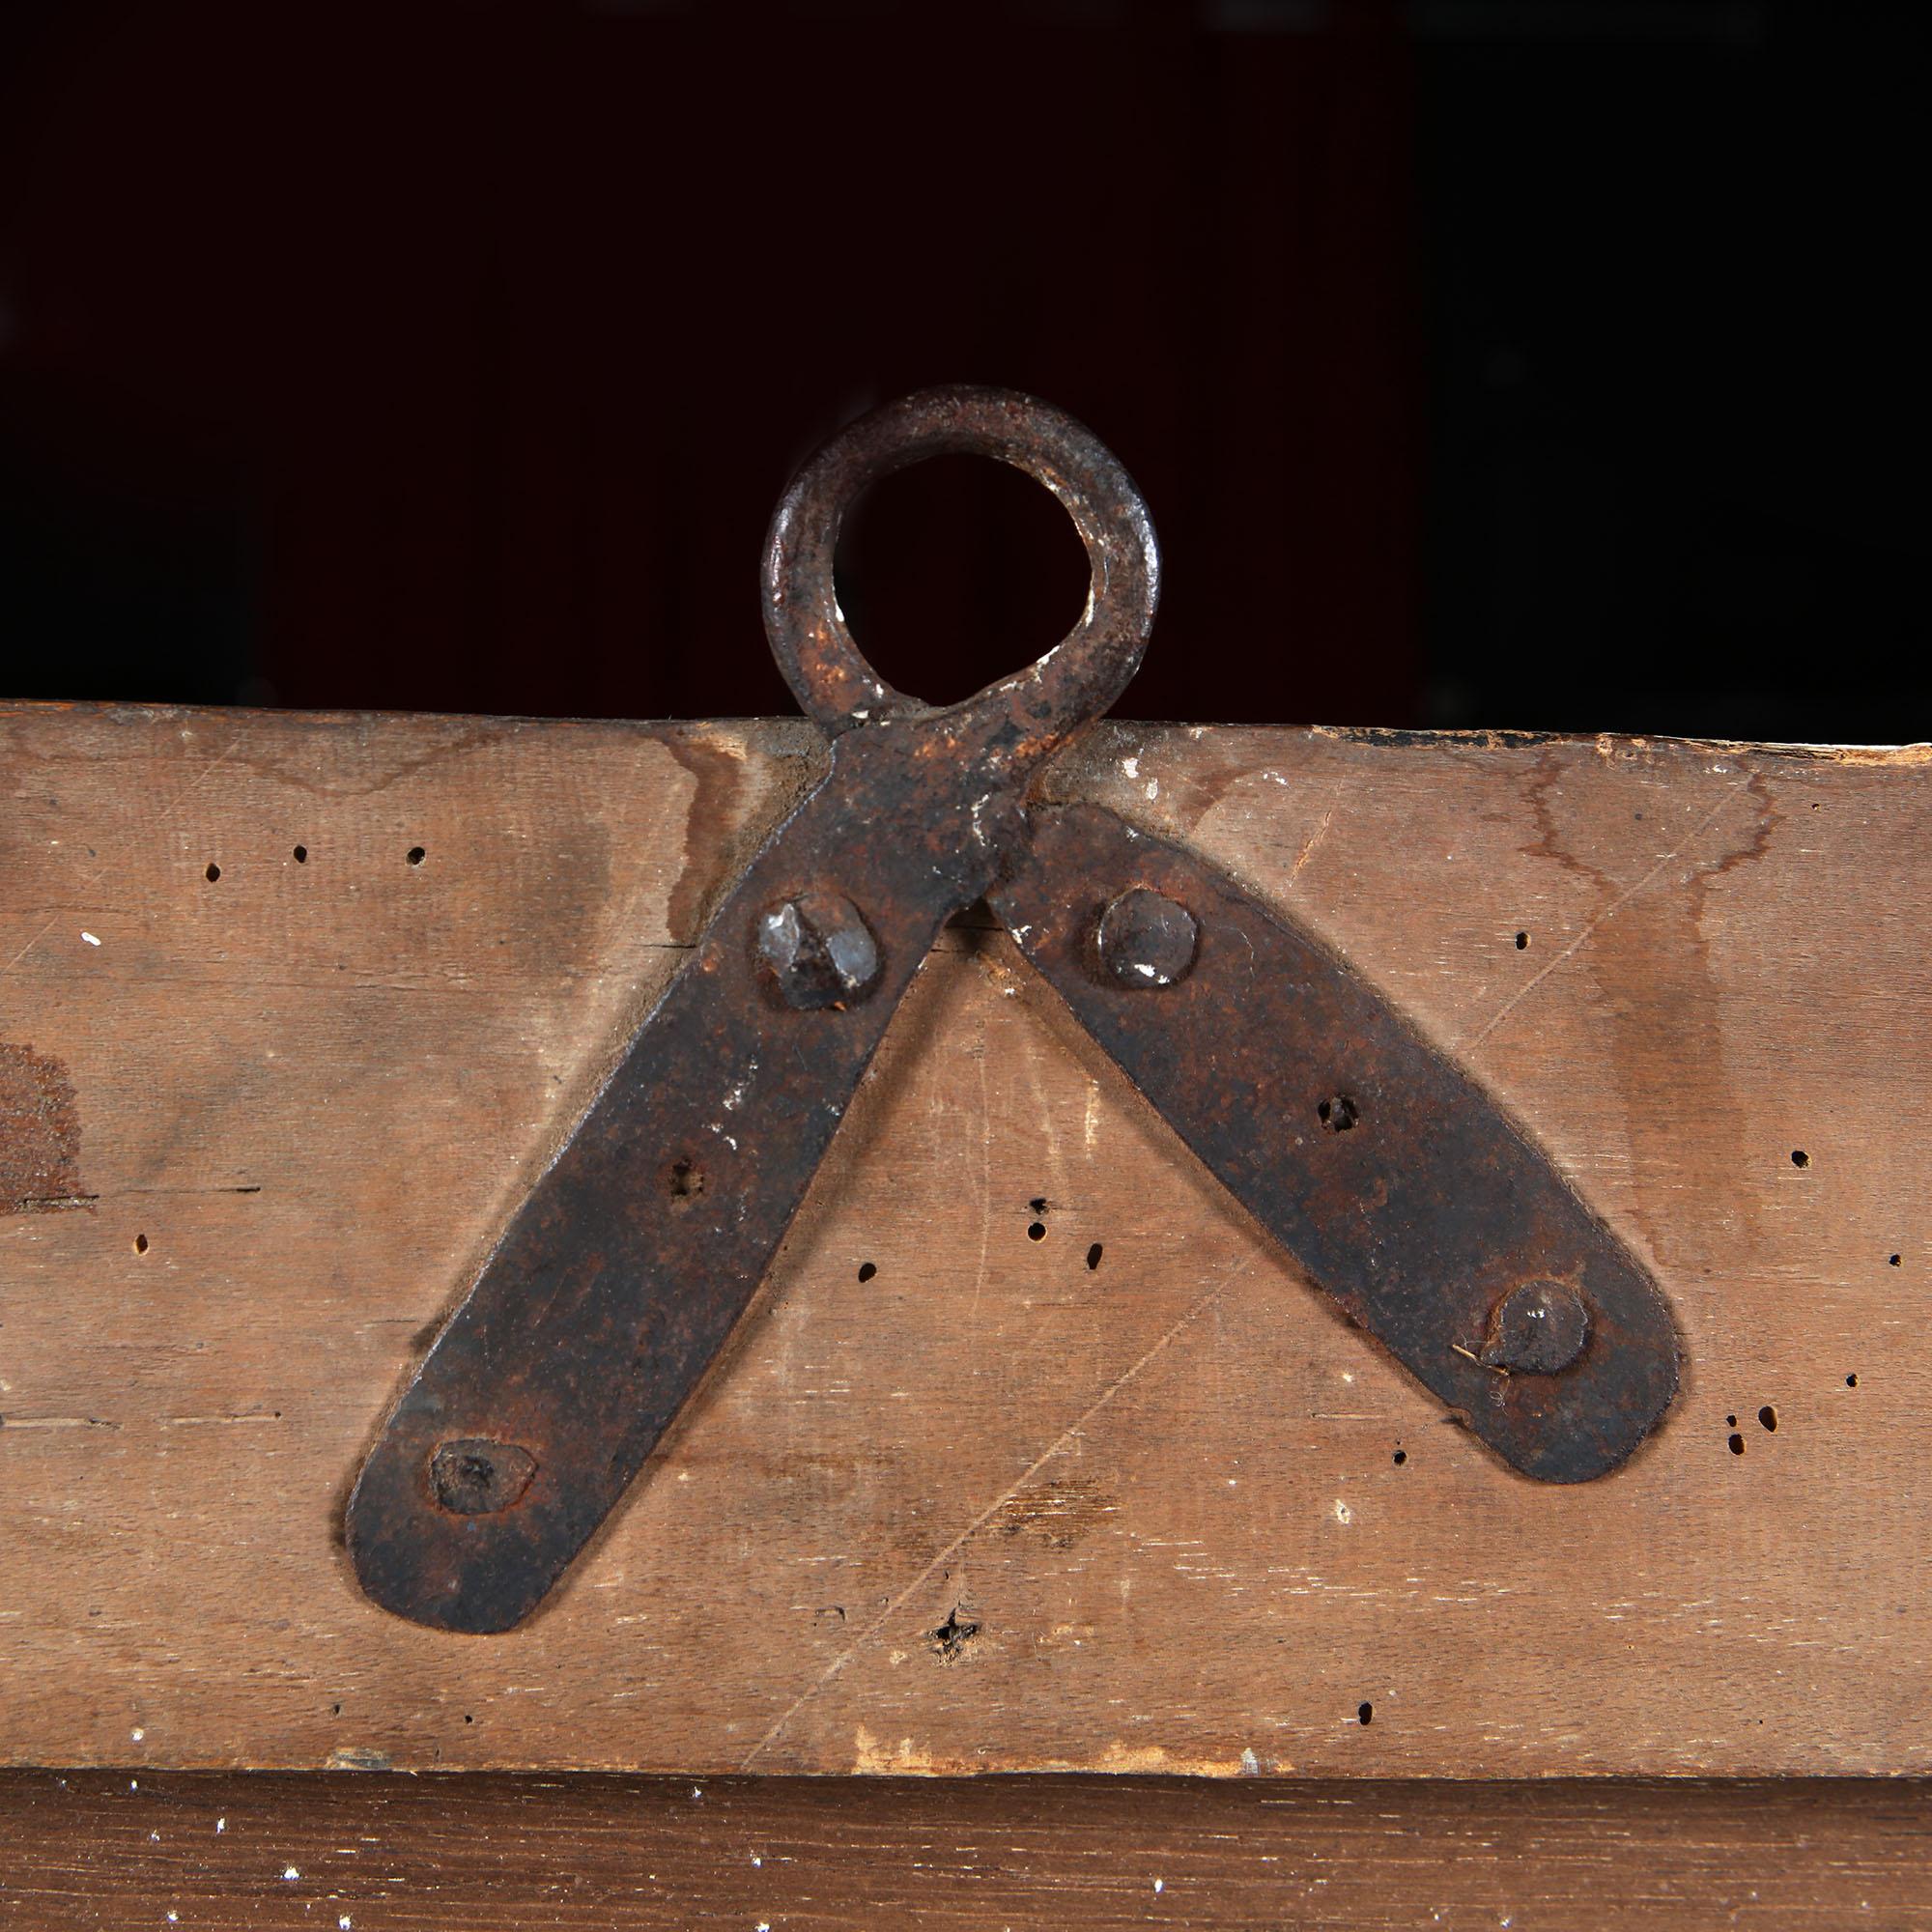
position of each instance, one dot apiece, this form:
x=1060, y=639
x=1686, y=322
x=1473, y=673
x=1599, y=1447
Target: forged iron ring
x=1074, y=681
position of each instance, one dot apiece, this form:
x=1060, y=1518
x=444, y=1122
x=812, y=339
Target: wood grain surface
x=476, y=1852
x=294, y=1006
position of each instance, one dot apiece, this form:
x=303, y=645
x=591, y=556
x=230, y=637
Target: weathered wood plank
x=1199, y=1523
x=379, y=1854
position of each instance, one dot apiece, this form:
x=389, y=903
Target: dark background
x=1548, y=363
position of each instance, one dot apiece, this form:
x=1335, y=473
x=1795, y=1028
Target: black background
x=1546, y=363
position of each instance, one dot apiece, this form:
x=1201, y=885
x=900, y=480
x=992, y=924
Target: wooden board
x=376, y=1854
x=1170, y=1511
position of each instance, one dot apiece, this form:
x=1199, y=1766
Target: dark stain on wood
x=1059, y=1514
x=725, y=826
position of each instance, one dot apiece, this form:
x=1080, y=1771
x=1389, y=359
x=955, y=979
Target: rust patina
x=1394, y=1180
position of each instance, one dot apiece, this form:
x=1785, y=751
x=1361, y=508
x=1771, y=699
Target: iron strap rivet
x=819, y=951
x=1146, y=939
x=477, y=1477
x=1539, y=1329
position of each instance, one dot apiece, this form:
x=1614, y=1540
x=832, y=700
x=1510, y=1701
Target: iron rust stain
x=719, y=772
x=731, y=814
x=1644, y=947
x=40, y=1134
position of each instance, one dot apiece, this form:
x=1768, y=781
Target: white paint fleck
x=1249, y=1761
x=1131, y=766
x=174, y=1918
x=1342, y=1513
x=756, y=1860
x=290, y=1872
x=345, y=1924
x=221, y=1824
x=90, y=938
x=1160, y=1884
x=138, y=1734
x=153, y=1837
x=1153, y=787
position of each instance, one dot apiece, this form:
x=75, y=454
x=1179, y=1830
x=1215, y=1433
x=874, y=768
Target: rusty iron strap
x=1385, y=1170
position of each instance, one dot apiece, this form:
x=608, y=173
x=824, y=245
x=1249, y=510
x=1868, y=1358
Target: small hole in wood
x=467, y=1718
x=1521, y=941
x=1401, y=1456
x=140, y=1244
x=1737, y=1445
x=1036, y=1231
x=416, y=855
x=1800, y=1158
x=213, y=873
x=1892, y=1259
x=867, y=1270
x=1768, y=1416
x=1037, y=1203
x=1338, y=1114
x=1365, y=1714
x=1851, y=1382
x=301, y=855
x=1094, y=1255
x=1730, y=1422
x=953, y=1636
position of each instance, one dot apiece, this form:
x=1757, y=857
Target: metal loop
x=1034, y=709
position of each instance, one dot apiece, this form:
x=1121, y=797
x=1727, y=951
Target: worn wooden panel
x=379, y=1854
x=1168, y=1510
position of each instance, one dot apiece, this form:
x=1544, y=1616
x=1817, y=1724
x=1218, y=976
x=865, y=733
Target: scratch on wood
x=193, y=1421
x=1067, y=1438
x=1314, y=839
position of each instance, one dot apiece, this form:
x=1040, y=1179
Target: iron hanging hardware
x=1385, y=1170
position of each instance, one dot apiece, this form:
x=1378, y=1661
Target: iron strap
x=1386, y=1172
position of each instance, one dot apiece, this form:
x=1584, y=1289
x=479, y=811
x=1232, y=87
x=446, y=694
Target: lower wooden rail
x=387, y=1853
